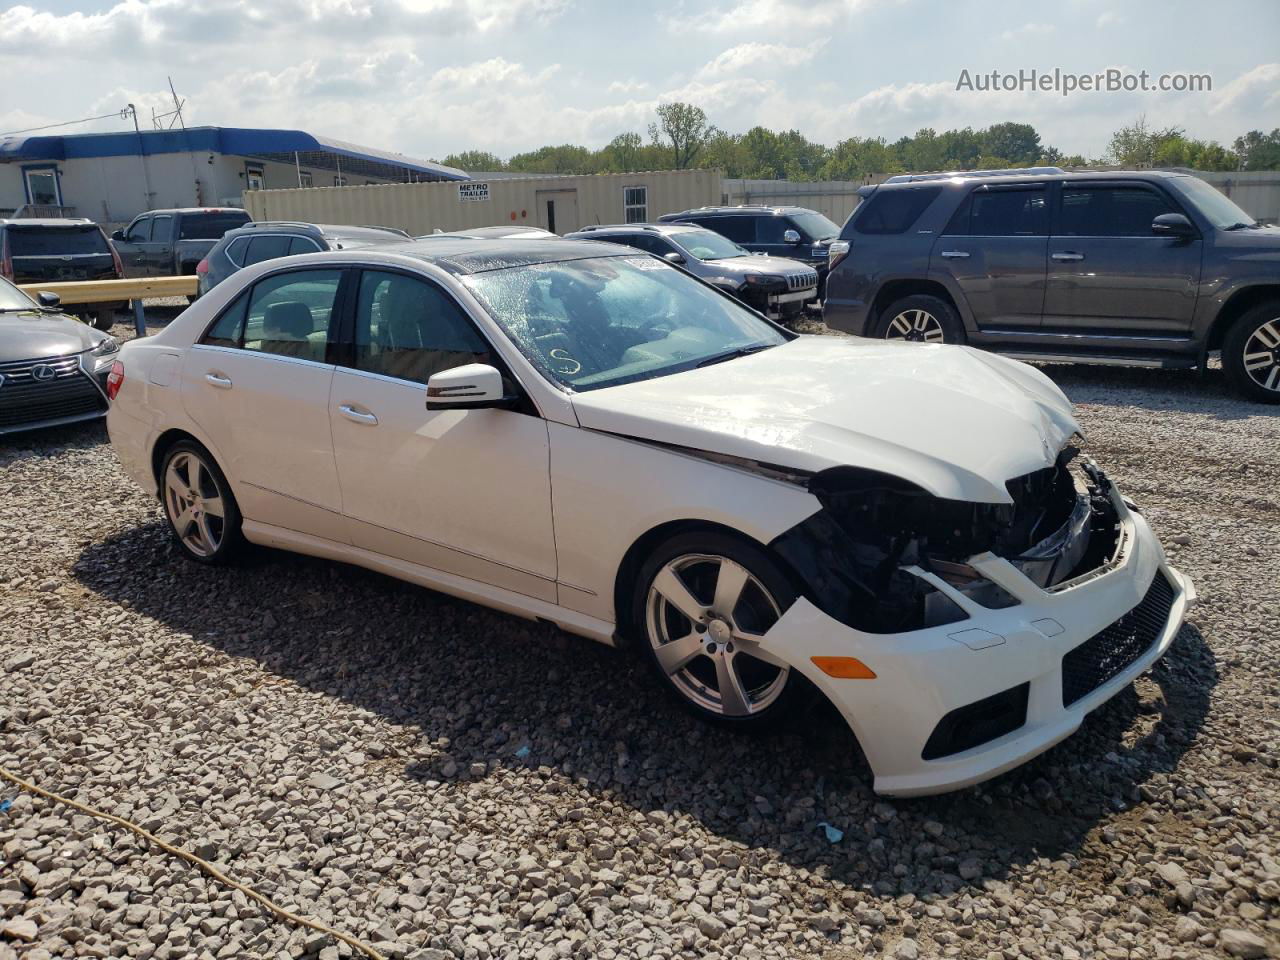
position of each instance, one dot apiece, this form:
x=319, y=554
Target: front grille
x=26, y=400
x=798, y=281
x=1108, y=653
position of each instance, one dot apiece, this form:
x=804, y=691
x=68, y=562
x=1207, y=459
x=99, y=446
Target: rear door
x=258, y=383
x=993, y=252
x=132, y=249
x=1108, y=274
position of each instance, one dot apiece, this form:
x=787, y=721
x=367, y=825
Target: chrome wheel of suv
x=1251, y=353
x=918, y=326
x=1262, y=355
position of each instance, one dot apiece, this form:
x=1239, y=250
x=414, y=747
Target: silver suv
x=778, y=287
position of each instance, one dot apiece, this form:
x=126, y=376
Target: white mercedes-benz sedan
x=589, y=436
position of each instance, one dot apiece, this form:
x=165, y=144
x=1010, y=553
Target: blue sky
x=428, y=77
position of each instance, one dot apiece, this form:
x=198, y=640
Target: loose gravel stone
x=454, y=784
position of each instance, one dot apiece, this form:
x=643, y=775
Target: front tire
x=702, y=602
x=1251, y=353
x=104, y=319
x=202, y=512
x=921, y=318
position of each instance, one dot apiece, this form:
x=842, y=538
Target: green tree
x=685, y=128
x=1137, y=144
x=1016, y=143
x=623, y=153
x=474, y=160
x=857, y=158
x=1256, y=150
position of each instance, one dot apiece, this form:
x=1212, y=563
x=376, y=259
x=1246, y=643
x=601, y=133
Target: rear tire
x=203, y=516
x=1251, y=353
x=104, y=319
x=921, y=318
x=709, y=657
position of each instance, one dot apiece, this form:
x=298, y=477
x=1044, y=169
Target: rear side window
x=286, y=314
x=893, y=211
x=266, y=247
x=56, y=241
x=1109, y=211
x=1002, y=213
x=210, y=226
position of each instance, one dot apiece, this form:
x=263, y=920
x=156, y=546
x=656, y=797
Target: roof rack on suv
x=254, y=224
x=1012, y=172
x=622, y=226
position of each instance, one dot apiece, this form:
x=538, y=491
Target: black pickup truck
x=170, y=243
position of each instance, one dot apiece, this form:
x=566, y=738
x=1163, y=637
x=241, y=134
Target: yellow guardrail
x=106, y=291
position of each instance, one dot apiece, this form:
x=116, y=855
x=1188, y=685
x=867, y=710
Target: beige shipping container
x=558, y=204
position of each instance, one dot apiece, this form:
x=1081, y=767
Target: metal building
x=557, y=203
x=112, y=177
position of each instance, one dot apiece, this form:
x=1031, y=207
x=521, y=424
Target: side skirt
x=484, y=594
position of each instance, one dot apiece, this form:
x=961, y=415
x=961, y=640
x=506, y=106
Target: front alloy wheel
x=1251, y=353
x=707, y=602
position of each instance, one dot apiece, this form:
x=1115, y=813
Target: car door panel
x=1108, y=274
x=463, y=491
x=132, y=249
x=262, y=400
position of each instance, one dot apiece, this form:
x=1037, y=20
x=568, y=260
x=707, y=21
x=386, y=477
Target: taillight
x=115, y=259
x=115, y=379
x=6, y=261
x=838, y=250
x=202, y=268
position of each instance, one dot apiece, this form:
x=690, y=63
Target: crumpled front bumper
x=924, y=675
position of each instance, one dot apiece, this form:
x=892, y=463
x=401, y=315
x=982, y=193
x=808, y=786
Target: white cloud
x=1256, y=90
x=1027, y=31
x=1109, y=18
x=778, y=15
x=754, y=56
x=628, y=86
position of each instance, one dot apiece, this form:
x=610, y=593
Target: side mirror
x=673, y=257
x=47, y=299
x=791, y=237
x=1173, y=225
x=467, y=387
x=117, y=234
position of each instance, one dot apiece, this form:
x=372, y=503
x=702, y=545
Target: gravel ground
x=445, y=781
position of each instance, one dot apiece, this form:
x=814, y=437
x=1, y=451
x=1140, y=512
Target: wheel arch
x=165, y=442
x=893, y=290
x=1239, y=303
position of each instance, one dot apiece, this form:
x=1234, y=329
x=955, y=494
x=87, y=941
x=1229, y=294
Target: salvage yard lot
x=446, y=781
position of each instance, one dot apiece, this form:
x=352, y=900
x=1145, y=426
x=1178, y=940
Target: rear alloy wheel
x=708, y=601
x=1251, y=353
x=921, y=319
x=202, y=512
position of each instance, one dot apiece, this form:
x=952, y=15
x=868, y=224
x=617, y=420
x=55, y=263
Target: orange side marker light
x=844, y=668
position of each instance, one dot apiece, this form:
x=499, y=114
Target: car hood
x=30, y=336
x=781, y=266
x=956, y=422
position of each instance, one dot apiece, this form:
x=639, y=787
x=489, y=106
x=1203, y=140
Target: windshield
x=11, y=298
x=56, y=241
x=1220, y=210
x=709, y=245
x=815, y=226
x=604, y=321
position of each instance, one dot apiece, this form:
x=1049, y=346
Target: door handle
x=359, y=416
x=955, y=254
x=218, y=380
x=1066, y=255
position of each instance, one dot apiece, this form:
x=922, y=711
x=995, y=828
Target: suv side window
x=266, y=247
x=409, y=329
x=1089, y=211
x=893, y=211
x=302, y=245
x=286, y=315
x=1019, y=212
x=647, y=242
x=162, y=229
x=738, y=229
x=139, y=231
x=771, y=229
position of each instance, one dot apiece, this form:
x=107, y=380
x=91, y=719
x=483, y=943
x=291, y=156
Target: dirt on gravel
x=446, y=781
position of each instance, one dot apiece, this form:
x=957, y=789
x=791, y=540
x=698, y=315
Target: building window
x=42, y=186
x=635, y=204
x=304, y=179
x=254, y=178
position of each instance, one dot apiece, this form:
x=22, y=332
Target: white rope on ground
x=203, y=864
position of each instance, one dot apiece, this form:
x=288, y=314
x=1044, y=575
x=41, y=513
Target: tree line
x=683, y=138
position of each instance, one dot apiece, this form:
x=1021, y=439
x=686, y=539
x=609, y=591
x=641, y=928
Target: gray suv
x=778, y=287
x=1142, y=268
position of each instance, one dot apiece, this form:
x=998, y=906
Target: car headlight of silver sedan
x=104, y=351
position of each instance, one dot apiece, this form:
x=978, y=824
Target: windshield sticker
x=646, y=263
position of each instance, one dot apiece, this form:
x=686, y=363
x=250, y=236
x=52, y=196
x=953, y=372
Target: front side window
x=635, y=204
x=646, y=242
x=268, y=246
x=1215, y=205
x=139, y=231
x=286, y=315
x=893, y=211
x=604, y=321
x=737, y=229
x=771, y=229
x=814, y=226
x=302, y=245
x=410, y=329
x=1109, y=211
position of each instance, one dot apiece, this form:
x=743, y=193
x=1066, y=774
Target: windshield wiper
x=1240, y=226
x=735, y=354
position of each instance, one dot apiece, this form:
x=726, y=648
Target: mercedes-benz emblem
x=42, y=372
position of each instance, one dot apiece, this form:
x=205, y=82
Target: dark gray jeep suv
x=1140, y=268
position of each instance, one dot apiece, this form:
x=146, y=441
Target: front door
x=558, y=210
x=133, y=248
x=993, y=253
x=258, y=385
x=467, y=492
x=157, y=253
x=1108, y=273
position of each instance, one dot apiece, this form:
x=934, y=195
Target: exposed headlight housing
x=107, y=348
